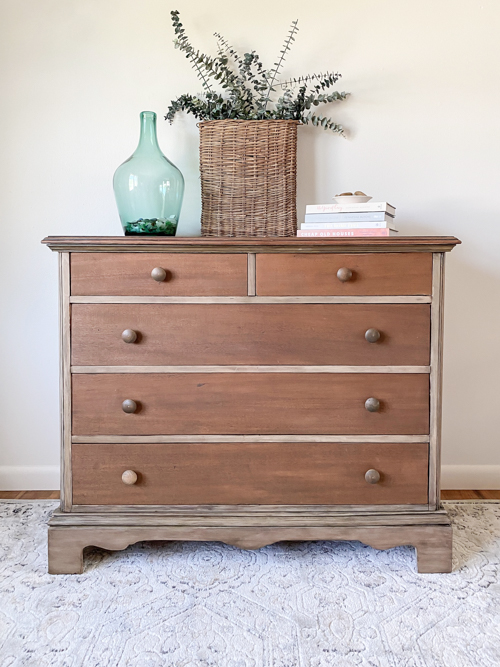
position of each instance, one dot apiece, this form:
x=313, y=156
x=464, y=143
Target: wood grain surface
x=65, y=378
x=249, y=515
x=66, y=544
x=250, y=403
x=445, y=495
x=376, y=274
x=188, y=274
x=260, y=334
x=251, y=299
x=298, y=473
x=270, y=244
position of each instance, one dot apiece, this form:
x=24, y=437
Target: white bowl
x=351, y=199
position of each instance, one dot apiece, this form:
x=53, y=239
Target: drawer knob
x=129, y=336
x=344, y=274
x=372, y=404
x=129, y=477
x=372, y=476
x=372, y=335
x=129, y=406
x=158, y=274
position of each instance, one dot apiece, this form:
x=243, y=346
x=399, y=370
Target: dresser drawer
x=372, y=274
x=250, y=473
x=250, y=334
x=187, y=274
x=253, y=403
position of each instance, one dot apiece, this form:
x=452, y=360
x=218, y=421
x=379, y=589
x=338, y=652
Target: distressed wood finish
x=187, y=274
x=279, y=244
x=250, y=299
x=437, y=319
x=249, y=375
x=251, y=473
x=446, y=495
x=250, y=334
x=432, y=542
x=250, y=369
x=248, y=515
x=65, y=380
x=152, y=439
x=266, y=514
x=252, y=403
x=251, y=273
x=299, y=274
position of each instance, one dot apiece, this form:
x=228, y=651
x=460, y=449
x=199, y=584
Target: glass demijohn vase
x=148, y=187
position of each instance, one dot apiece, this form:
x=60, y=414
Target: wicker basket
x=248, y=177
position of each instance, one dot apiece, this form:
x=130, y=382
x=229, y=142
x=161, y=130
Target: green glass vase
x=148, y=187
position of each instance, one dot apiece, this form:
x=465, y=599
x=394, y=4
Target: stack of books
x=370, y=219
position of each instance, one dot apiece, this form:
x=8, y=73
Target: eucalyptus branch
x=325, y=123
x=245, y=63
x=223, y=47
x=286, y=47
x=182, y=43
x=248, y=87
x=328, y=79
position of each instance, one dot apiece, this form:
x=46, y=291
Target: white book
x=347, y=225
x=358, y=216
x=351, y=208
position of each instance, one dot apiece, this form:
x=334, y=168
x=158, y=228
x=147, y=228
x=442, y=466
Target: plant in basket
x=248, y=135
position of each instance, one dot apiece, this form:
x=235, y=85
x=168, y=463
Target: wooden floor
x=29, y=495
x=445, y=495
x=470, y=495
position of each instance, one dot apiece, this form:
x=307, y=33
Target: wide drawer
x=316, y=274
x=250, y=334
x=187, y=274
x=250, y=403
x=250, y=473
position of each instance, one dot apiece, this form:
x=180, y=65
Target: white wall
x=423, y=133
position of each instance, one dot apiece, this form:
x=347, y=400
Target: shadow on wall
x=315, y=147
x=307, y=184
x=190, y=218
x=471, y=419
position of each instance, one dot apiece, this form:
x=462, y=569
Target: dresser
x=250, y=391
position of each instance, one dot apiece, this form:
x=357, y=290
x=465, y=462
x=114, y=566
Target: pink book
x=314, y=233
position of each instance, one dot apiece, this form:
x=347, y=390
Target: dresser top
x=267, y=244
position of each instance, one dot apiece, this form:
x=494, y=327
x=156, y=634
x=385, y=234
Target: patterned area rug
x=288, y=605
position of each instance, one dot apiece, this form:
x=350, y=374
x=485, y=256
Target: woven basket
x=248, y=177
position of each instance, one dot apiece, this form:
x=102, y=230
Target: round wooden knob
x=372, y=404
x=129, y=336
x=372, y=335
x=158, y=274
x=130, y=477
x=344, y=274
x=129, y=406
x=372, y=476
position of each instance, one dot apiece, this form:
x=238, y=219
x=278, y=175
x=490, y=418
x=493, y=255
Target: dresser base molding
x=70, y=533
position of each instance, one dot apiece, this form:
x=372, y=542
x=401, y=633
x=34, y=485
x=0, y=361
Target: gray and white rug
x=288, y=605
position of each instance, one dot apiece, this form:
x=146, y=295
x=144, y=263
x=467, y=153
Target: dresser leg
x=434, y=549
x=65, y=551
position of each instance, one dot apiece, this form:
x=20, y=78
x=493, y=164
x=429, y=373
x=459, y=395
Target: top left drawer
x=177, y=274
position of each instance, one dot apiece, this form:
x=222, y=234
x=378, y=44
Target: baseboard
x=29, y=478
x=35, y=478
x=470, y=477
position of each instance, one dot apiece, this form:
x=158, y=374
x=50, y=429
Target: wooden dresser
x=250, y=391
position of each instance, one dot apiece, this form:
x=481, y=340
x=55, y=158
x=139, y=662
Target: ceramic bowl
x=351, y=199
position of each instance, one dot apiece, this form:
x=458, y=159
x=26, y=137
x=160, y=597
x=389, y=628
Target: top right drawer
x=330, y=274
